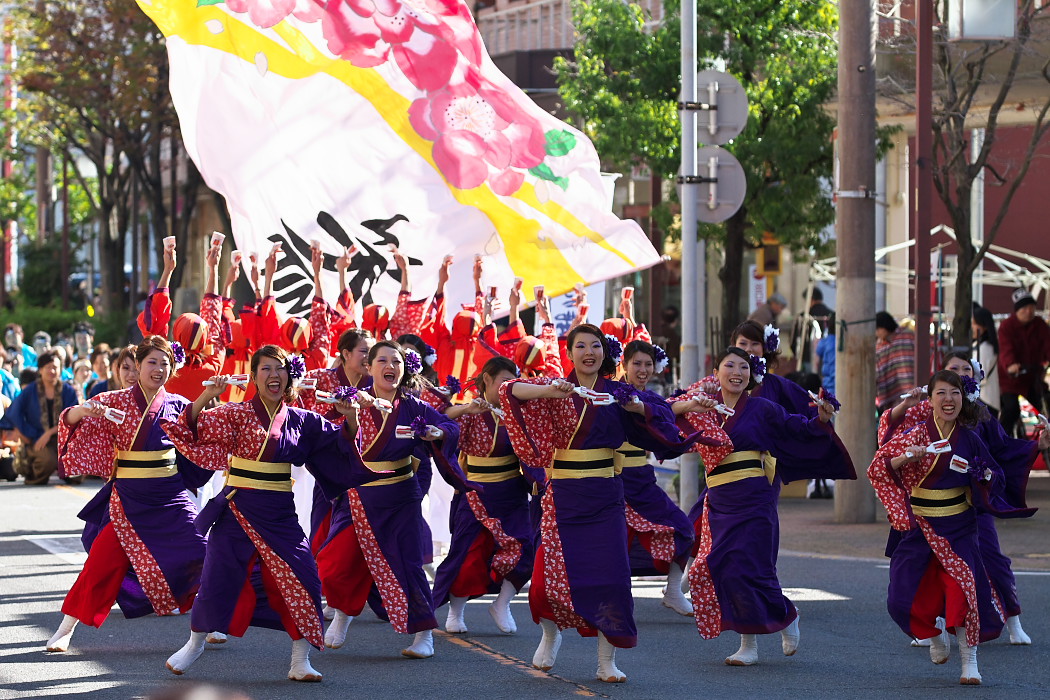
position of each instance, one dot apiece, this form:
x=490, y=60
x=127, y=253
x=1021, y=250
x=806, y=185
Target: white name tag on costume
x=958, y=464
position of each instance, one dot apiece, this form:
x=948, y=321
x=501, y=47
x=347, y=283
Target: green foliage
x=40, y=284
x=623, y=83
x=41, y=318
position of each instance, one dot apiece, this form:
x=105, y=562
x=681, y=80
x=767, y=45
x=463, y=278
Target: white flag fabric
x=384, y=122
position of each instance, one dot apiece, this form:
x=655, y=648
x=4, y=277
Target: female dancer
x=663, y=532
x=491, y=549
x=582, y=576
x=143, y=550
x=733, y=581
x=1014, y=457
x=930, y=479
x=253, y=519
x=378, y=538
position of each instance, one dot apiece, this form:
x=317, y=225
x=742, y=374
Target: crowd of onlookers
x=39, y=379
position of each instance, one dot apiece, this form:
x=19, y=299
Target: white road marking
x=68, y=549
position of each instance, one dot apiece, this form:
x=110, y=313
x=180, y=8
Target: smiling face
x=101, y=366
x=387, y=369
x=271, y=379
x=492, y=385
x=639, y=369
x=355, y=361
x=50, y=372
x=733, y=374
x=127, y=373
x=154, y=371
x=751, y=347
x=947, y=401
x=586, y=354
x=960, y=367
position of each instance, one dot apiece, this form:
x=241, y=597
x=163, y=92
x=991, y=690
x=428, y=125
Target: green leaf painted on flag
x=204, y=3
x=544, y=172
x=560, y=142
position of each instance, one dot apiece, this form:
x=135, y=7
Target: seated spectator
x=35, y=414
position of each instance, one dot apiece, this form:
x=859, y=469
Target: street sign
x=722, y=184
x=723, y=98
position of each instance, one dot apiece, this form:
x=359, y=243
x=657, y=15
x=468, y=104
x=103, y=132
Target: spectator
x=9, y=389
x=1024, y=352
x=81, y=377
x=83, y=339
x=894, y=361
x=99, y=365
x=825, y=356
x=41, y=342
x=766, y=314
x=35, y=414
x=14, y=341
x=986, y=350
x=807, y=331
x=61, y=350
x=818, y=309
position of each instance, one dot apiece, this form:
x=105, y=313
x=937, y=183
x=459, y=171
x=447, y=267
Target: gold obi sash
x=742, y=465
x=402, y=470
x=492, y=469
x=627, y=455
x=940, y=502
x=153, y=464
x=266, y=476
x=583, y=464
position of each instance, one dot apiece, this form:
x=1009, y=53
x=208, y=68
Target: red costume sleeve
x=553, y=367
x=408, y=316
x=155, y=317
x=316, y=354
x=268, y=326
x=893, y=487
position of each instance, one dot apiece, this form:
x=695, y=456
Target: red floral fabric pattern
x=553, y=419
x=390, y=590
x=963, y=575
x=661, y=542
x=296, y=598
x=552, y=352
x=710, y=423
x=919, y=413
x=327, y=380
x=508, y=549
x=229, y=429
x=555, y=577
x=90, y=446
x=408, y=316
x=148, y=571
x=475, y=437
x=706, y=608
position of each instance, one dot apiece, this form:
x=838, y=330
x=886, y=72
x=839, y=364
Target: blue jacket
x=10, y=388
x=25, y=410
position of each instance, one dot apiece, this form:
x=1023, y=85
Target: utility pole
x=923, y=184
x=855, y=247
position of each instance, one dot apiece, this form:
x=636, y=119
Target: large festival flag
x=379, y=122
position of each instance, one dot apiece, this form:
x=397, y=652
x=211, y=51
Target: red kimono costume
x=239, y=351
x=456, y=347
x=156, y=314
x=342, y=320
x=491, y=344
x=143, y=549
x=202, y=339
x=408, y=316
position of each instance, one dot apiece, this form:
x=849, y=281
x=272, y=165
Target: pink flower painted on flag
x=479, y=135
x=267, y=13
x=426, y=37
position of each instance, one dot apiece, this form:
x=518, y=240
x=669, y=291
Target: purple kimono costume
x=582, y=575
x=253, y=520
x=937, y=567
x=733, y=581
x=658, y=531
x=144, y=503
x=492, y=534
x=376, y=539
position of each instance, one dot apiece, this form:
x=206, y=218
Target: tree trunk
x=731, y=274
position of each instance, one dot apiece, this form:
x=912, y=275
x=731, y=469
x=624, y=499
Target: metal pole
x=923, y=175
x=855, y=243
x=692, y=273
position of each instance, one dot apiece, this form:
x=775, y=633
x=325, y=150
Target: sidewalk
x=808, y=525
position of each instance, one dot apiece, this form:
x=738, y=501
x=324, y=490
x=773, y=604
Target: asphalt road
x=849, y=647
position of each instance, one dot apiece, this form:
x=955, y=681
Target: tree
x=623, y=83
x=973, y=82
x=93, y=76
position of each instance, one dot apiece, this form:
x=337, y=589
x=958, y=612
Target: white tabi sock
x=328, y=612
x=60, y=640
x=500, y=608
x=747, y=654
x=940, y=646
x=673, y=596
x=422, y=646
x=969, y=675
x=335, y=636
x=216, y=638
x=685, y=577
x=547, y=652
x=607, y=670
x=1017, y=635
x=180, y=661
x=300, y=669
x=789, y=637
x=454, y=623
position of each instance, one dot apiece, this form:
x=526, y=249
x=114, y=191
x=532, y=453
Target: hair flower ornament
x=661, y=359
x=771, y=336
x=758, y=368
x=413, y=362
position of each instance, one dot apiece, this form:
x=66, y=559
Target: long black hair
x=757, y=334
x=411, y=383
x=494, y=366
x=983, y=318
